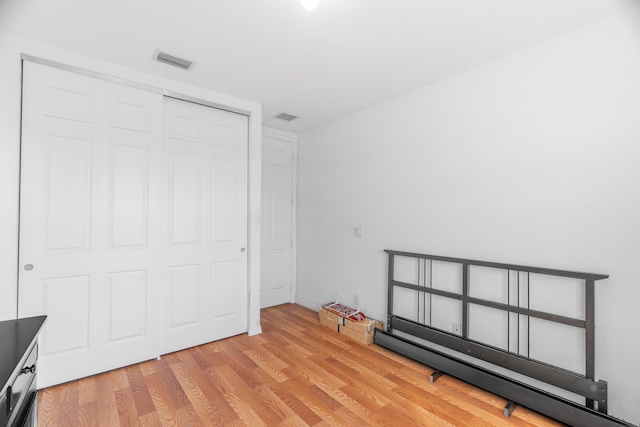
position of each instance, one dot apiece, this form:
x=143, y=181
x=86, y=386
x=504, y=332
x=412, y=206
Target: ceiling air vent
x=285, y=117
x=185, y=64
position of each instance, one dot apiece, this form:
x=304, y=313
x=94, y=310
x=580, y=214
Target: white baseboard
x=256, y=330
x=308, y=304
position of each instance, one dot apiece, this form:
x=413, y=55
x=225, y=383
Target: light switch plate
x=357, y=231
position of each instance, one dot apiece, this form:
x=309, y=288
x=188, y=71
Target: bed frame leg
x=435, y=375
x=509, y=408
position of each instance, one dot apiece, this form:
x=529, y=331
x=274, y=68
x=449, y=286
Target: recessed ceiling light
x=309, y=4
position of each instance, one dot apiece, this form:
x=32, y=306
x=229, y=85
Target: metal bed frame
x=516, y=392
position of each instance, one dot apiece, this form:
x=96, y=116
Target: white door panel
x=205, y=283
x=276, y=239
x=91, y=151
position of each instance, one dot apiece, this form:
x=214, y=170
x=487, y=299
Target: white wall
x=532, y=159
x=11, y=47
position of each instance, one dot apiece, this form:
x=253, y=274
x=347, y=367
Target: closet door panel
x=89, y=235
x=67, y=193
x=128, y=195
x=206, y=153
x=184, y=198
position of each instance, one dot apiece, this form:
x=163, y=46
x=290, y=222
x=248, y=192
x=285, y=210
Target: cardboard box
x=366, y=326
x=330, y=320
x=357, y=336
x=362, y=331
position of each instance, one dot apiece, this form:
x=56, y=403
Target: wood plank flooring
x=296, y=373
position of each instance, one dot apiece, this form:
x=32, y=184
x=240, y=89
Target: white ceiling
x=344, y=56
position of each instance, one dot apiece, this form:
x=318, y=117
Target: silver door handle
x=28, y=267
x=242, y=249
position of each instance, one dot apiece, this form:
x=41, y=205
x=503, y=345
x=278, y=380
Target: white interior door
x=205, y=289
x=89, y=230
x=277, y=208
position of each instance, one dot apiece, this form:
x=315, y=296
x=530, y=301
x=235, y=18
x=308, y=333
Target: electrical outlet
x=457, y=329
x=356, y=301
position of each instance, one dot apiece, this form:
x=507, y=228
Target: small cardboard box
x=362, y=331
x=366, y=326
x=330, y=320
x=357, y=336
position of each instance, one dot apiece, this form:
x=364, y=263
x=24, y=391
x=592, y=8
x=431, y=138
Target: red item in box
x=344, y=311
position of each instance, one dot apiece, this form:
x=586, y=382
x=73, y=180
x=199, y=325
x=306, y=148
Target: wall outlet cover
x=456, y=329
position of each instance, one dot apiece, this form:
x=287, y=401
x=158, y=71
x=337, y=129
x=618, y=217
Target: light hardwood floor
x=296, y=373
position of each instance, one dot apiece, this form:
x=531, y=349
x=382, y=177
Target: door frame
x=212, y=99
x=293, y=139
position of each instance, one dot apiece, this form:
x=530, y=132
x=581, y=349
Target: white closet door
x=205, y=289
x=277, y=206
x=89, y=231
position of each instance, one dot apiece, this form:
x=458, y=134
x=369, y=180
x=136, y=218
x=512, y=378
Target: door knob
x=242, y=249
x=28, y=267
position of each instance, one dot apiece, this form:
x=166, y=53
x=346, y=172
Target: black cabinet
x=18, y=370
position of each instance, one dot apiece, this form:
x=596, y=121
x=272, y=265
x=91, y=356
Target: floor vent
x=285, y=117
x=185, y=64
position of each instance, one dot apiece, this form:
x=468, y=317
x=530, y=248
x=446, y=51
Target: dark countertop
x=16, y=337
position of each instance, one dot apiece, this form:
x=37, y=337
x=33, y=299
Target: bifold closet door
x=205, y=280
x=90, y=233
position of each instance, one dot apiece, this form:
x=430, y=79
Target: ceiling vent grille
x=285, y=117
x=173, y=60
